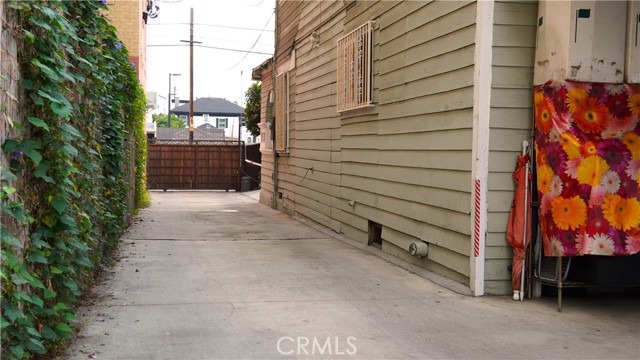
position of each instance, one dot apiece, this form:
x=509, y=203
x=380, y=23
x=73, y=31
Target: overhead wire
x=254, y=44
x=211, y=47
x=212, y=25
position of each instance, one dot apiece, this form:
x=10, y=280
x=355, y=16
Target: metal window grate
x=282, y=112
x=354, y=64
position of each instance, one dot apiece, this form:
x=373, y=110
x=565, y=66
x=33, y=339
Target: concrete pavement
x=215, y=275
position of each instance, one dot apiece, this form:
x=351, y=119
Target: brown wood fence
x=199, y=164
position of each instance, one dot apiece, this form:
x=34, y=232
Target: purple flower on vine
x=103, y=1
x=118, y=45
x=16, y=153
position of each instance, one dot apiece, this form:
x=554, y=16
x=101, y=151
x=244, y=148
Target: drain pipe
x=274, y=203
x=276, y=155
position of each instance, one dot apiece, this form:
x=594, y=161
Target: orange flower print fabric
x=587, y=142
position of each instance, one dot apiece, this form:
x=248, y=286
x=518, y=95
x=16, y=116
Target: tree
x=252, y=108
x=161, y=121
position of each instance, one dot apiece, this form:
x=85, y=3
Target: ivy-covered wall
x=73, y=146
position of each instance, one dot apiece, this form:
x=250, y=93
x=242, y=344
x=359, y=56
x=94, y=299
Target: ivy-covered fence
x=68, y=126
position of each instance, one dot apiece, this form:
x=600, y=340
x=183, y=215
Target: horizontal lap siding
x=287, y=25
x=406, y=163
x=266, y=114
x=288, y=19
x=309, y=176
x=511, y=101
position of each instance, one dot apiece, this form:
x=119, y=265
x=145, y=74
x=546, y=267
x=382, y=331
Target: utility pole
x=191, y=42
x=191, y=78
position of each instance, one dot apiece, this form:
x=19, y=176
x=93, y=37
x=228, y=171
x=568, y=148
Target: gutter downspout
x=480, y=153
x=274, y=203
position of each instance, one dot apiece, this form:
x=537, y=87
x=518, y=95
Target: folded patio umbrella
x=519, y=224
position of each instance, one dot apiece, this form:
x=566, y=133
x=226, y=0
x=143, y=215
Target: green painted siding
x=514, y=39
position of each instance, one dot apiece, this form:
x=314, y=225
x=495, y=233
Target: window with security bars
x=282, y=112
x=354, y=68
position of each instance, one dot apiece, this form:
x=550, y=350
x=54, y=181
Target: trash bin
x=245, y=184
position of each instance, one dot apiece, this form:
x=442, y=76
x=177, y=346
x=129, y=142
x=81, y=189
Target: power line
x=212, y=25
x=227, y=40
x=216, y=40
x=254, y=44
x=241, y=43
x=210, y=47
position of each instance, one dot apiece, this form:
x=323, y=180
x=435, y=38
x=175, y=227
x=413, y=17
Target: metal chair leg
x=559, y=276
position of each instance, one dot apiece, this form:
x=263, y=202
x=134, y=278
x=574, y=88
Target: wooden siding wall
x=406, y=162
x=511, y=119
x=288, y=18
x=287, y=21
x=266, y=115
x=310, y=170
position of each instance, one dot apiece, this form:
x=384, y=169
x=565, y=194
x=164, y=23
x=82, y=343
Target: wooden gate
x=199, y=164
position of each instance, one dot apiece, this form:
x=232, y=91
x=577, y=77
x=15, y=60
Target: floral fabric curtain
x=587, y=143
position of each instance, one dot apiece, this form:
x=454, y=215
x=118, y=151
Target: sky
x=224, y=24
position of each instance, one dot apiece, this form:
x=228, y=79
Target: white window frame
x=205, y=117
x=282, y=112
x=354, y=69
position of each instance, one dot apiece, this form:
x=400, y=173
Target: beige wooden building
x=399, y=122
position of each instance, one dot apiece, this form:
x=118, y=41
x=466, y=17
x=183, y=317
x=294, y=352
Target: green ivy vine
x=64, y=194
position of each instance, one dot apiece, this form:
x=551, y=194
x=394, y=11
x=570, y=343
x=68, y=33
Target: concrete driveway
x=215, y=275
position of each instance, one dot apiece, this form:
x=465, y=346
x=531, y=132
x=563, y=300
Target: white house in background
x=217, y=112
x=152, y=104
x=150, y=126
